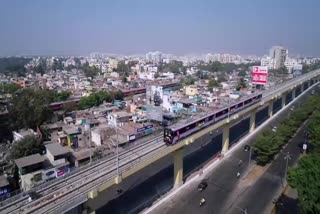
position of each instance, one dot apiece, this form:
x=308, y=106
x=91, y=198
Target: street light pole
x=250, y=153
x=88, y=129
x=117, y=151
x=287, y=158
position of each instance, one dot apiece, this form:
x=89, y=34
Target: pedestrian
x=240, y=162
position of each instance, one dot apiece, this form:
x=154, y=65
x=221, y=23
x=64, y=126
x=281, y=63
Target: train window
x=220, y=113
x=248, y=101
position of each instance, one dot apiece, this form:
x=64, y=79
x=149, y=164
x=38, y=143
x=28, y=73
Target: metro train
x=176, y=132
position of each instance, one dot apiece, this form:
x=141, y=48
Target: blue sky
x=173, y=26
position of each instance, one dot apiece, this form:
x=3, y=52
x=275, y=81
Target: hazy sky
x=172, y=26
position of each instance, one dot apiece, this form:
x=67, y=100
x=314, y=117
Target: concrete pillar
x=283, y=98
x=225, y=138
x=178, y=167
x=87, y=210
x=252, y=120
x=302, y=88
x=293, y=93
x=309, y=83
x=118, y=179
x=270, y=109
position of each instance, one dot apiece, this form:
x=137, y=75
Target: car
x=246, y=148
x=202, y=186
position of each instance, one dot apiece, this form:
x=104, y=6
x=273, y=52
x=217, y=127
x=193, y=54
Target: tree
x=156, y=75
x=9, y=88
x=61, y=96
x=242, y=73
x=29, y=145
x=96, y=99
x=14, y=65
x=174, y=66
x=30, y=108
x=305, y=178
x=241, y=84
x=124, y=79
x=213, y=83
x=57, y=65
x=90, y=71
x=269, y=143
x=135, y=85
x=188, y=81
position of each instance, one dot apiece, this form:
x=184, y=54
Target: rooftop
x=29, y=160
x=56, y=149
x=122, y=114
x=3, y=181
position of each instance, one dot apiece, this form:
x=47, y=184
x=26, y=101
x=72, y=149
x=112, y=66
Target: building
x=101, y=134
x=30, y=171
x=58, y=157
x=190, y=90
x=119, y=118
x=279, y=54
x=154, y=57
x=19, y=135
x=29, y=164
x=5, y=187
x=268, y=62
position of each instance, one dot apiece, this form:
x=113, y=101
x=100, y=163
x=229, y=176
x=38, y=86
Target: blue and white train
x=176, y=132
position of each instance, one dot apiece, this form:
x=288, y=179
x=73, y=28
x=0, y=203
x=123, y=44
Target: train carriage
x=176, y=132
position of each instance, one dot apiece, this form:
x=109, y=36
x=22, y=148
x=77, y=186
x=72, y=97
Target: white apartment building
x=154, y=57
x=268, y=62
x=147, y=75
x=279, y=54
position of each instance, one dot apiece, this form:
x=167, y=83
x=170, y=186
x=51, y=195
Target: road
x=227, y=194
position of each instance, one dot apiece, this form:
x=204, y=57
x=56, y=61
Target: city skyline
x=179, y=27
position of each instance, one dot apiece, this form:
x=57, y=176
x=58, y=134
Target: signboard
x=60, y=173
x=132, y=137
x=144, y=128
x=260, y=75
x=304, y=147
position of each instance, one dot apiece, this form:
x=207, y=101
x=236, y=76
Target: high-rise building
x=279, y=54
x=154, y=57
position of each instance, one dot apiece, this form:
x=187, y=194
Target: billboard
x=260, y=75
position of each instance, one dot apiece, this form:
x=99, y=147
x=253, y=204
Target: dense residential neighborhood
x=61, y=113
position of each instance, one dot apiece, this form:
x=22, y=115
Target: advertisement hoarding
x=260, y=75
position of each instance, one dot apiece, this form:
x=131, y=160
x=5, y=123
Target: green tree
x=124, y=79
x=9, y=88
x=241, y=84
x=96, y=99
x=90, y=71
x=305, y=178
x=61, y=96
x=14, y=65
x=30, y=108
x=29, y=145
x=157, y=75
x=242, y=73
x=188, y=81
x=174, y=66
x=57, y=65
x=135, y=85
x=213, y=83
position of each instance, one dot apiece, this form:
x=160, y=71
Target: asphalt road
x=226, y=193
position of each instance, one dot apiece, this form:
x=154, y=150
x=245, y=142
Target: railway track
x=104, y=164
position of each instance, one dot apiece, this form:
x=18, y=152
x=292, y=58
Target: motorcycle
x=202, y=202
